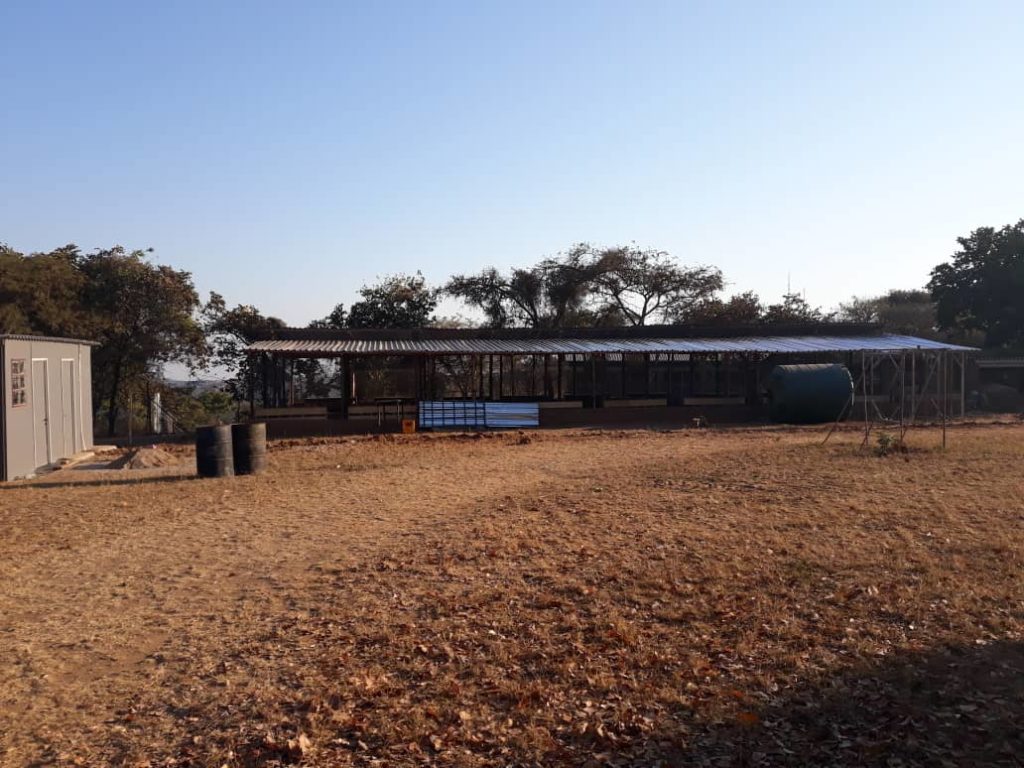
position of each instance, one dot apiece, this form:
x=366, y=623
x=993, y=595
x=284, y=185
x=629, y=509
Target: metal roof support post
x=864, y=397
x=291, y=383
x=417, y=369
x=282, y=366
x=345, y=384
x=561, y=390
x=913, y=385
x=903, y=392
x=944, y=363
x=691, y=383
x=275, y=381
x=265, y=368
x=669, y=368
x=252, y=388
x=593, y=380
x=963, y=384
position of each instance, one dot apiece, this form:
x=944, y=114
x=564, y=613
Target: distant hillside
x=196, y=386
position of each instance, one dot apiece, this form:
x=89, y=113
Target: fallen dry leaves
x=705, y=598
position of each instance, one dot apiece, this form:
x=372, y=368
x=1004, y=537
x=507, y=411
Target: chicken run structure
x=373, y=380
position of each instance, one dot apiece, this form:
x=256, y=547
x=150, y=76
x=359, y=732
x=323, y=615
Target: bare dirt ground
x=733, y=598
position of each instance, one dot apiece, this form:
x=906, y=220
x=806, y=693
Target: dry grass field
x=742, y=597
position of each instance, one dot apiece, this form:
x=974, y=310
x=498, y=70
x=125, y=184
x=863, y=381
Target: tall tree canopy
x=551, y=294
x=337, y=318
x=229, y=331
x=588, y=286
x=144, y=315
x=42, y=293
x=794, y=309
x=739, y=309
x=640, y=285
x=901, y=311
x=982, y=288
x=397, y=301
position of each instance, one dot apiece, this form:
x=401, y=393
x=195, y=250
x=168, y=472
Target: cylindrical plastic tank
x=808, y=394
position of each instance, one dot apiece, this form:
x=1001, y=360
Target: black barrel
x=213, y=452
x=250, y=446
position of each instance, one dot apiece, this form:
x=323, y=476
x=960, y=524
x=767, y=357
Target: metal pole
x=944, y=363
x=864, y=395
x=344, y=385
x=252, y=388
x=913, y=385
x=668, y=377
x=963, y=384
x=265, y=365
x=903, y=392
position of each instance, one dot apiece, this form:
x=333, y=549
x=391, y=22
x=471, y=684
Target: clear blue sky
x=285, y=153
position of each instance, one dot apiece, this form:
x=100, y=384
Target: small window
x=19, y=390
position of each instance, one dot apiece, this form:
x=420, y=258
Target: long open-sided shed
x=652, y=375
x=47, y=409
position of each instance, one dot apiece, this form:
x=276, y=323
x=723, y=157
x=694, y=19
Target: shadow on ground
x=961, y=706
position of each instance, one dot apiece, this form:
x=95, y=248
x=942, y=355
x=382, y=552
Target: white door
x=41, y=412
x=68, y=415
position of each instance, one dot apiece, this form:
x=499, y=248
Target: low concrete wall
x=285, y=428
x=622, y=417
x=652, y=418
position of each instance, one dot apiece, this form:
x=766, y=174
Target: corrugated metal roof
x=59, y=339
x=461, y=346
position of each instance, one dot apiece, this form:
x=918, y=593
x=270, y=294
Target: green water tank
x=808, y=394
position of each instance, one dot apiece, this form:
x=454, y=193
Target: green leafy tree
x=640, y=285
x=587, y=286
x=982, y=288
x=398, y=301
x=555, y=293
x=910, y=312
x=41, y=293
x=794, y=309
x=337, y=318
x=144, y=315
x=229, y=331
x=739, y=309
